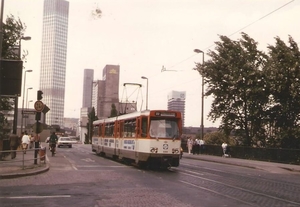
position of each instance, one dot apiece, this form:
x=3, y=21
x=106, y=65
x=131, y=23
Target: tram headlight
x=153, y=150
x=175, y=151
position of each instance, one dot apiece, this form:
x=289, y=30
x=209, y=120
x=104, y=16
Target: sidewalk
x=22, y=165
x=272, y=167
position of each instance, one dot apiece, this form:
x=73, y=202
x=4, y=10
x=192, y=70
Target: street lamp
x=202, y=94
x=143, y=77
x=27, y=106
x=22, y=38
x=27, y=95
x=23, y=94
x=15, y=123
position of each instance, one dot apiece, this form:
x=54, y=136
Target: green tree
x=13, y=29
x=113, y=111
x=283, y=72
x=218, y=137
x=91, y=118
x=235, y=79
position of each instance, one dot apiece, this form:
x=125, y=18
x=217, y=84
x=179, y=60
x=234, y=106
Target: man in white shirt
x=25, y=141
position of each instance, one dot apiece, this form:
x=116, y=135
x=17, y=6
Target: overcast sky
x=142, y=36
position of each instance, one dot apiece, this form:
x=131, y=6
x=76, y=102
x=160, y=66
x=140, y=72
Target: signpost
x=38, y=128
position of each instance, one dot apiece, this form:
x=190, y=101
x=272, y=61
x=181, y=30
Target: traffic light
x=39, y=95
x=38, y=116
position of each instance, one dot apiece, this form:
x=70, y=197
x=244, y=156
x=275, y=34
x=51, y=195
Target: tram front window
x=164, y=128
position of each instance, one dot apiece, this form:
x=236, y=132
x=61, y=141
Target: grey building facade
x=88, y=78
x=108, y=90
x=176, y=102
x=53, y=58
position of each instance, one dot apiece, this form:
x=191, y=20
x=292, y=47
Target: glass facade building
x=176, y=102
x=53, y=58
x=88, y=79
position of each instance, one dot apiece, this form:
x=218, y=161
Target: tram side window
x=100, y=131
x=129, y=128
x=96, y=131
x=144, y=127
x=109, y=129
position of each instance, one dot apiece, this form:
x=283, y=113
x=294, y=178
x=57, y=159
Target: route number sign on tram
x=39, y=106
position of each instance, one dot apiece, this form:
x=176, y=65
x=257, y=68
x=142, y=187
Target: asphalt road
x=78, y=177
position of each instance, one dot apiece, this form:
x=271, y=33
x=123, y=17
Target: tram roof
x=124, y=116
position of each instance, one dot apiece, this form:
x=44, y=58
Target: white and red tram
x=144, y=138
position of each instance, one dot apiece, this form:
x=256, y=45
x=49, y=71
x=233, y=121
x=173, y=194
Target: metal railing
x=24, y=160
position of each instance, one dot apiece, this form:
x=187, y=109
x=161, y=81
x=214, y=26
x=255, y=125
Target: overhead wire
x=239, y=30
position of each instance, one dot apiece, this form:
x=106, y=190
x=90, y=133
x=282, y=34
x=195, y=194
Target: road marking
x=99, y=166
x=26, y=197
x=73, y=166
x=88, y=160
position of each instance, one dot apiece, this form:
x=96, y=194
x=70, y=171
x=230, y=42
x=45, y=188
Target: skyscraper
x=88, y=79
x=106, y=91
x=176, y=102
x=53, y=58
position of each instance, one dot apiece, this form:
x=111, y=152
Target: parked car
x=64, y=141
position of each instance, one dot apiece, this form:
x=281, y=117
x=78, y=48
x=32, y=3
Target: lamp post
x=23, y=94
x=27, y=95
x=143, y=77
x=20, y=40
x=15, y=123
x=202, y=95
x=27, y=106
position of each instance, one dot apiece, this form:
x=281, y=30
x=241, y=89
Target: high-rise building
x=88, y=78
x=53, y=58
x=108, y=91
x=176, y=102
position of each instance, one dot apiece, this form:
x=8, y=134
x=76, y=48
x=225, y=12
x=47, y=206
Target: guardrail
x=24, y=159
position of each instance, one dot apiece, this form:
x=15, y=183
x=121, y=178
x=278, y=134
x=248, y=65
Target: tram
x=146, y=138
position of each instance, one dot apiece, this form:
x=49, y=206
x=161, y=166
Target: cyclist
x=52, y=141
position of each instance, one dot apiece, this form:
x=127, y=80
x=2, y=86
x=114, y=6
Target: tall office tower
x=98, y=89
x=88, y=79
x=176, y=102
x=108, y=90
x=53, y=58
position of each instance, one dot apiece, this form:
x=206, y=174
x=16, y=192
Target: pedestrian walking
x=195, y=146
x=25, y=141
x=31, y=137
x=225, y=149
x=189, y=145
x=14, y=143
x=201, y=145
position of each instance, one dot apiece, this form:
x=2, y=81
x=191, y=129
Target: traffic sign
x=29, y=112
x=39, y=106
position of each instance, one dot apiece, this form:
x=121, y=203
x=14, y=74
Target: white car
x=64, y=141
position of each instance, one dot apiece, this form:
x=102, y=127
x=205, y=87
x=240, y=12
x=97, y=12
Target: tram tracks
x=243, y=188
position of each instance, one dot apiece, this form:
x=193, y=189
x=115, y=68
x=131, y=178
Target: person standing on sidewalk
x=14, y=143
x=225, y=149
x=25, y=141
x=189, y=145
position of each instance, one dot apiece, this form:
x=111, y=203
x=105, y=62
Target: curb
x=16, y=175
x=241, y=164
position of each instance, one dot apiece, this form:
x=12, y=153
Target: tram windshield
x=164, y=128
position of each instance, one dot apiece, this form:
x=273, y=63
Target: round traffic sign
x=39, y=106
